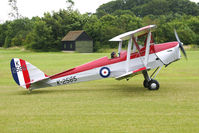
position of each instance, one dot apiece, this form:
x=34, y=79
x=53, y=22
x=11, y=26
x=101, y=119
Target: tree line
x=143, y=8
x=113, y=18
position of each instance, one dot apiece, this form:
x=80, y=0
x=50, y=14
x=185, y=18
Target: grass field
x=103, y=106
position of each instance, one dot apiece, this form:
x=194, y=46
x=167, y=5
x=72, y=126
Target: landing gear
x=149, y=82
x=151, y=85
x=145, y=83
x=29, y=90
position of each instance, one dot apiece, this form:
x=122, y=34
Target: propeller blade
x=183, y=51
x=180, y=44
x=176, y=35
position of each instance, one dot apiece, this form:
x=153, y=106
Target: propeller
x=180, y=44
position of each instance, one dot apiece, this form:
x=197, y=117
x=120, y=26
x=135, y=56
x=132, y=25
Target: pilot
x=113, y=55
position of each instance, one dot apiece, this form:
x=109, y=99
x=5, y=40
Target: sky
x=30, y=8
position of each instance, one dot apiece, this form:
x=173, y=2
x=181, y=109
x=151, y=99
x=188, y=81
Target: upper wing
x=131, y=74
x=135, y=33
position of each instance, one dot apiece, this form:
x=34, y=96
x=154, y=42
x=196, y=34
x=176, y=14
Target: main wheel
x=145, y=83
x=153, y=85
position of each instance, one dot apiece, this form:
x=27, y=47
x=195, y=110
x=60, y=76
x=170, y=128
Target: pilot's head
x=113, y=55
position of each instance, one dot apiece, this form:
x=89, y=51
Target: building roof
x=72, y=35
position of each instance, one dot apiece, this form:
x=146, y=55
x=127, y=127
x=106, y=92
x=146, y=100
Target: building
x=77, y=41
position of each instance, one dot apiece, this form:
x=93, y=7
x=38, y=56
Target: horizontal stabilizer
x=42, y=83
x=130, y=74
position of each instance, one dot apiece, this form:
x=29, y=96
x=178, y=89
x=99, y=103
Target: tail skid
x=25, y=74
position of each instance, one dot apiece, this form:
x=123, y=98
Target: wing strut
x=147, y=51
x=119, y=47
x=134, y=47
x=136, y=44
x=138, y=48
x=128, y=55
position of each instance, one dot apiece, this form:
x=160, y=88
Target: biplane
x=135, y=60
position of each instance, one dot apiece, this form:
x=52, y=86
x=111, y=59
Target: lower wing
x=131, y=74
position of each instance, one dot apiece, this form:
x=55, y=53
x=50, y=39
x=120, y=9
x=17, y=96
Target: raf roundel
x=105, y=72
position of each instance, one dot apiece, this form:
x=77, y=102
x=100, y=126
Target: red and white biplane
x=136, y=60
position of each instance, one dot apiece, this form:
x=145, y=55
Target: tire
x=153, y=85
x=145, y=83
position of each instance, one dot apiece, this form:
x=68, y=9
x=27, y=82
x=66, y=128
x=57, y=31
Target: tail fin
x=25, y=73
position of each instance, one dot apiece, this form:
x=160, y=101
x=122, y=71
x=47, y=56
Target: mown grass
x=106, y=105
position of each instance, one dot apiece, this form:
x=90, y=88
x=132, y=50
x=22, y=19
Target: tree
x=70, y=4
x=111, y=19
x=108, y=26
x=40, y=38
x=14, y=14
x=193, y=23
x=3, y=29
x=156, y=7
x=93, y=29
x=142, y=8
x=17, y=29
x=64, y=21
x=166, y=32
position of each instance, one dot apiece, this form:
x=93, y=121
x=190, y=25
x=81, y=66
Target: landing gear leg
x=150, y=83
x=146, y=78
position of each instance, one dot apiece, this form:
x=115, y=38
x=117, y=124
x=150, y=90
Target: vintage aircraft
x=135, y=60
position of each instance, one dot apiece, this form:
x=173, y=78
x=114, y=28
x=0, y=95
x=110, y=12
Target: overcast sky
x=30, y=8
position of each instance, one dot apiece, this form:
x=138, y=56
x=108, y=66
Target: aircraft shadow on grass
x=116, y=89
